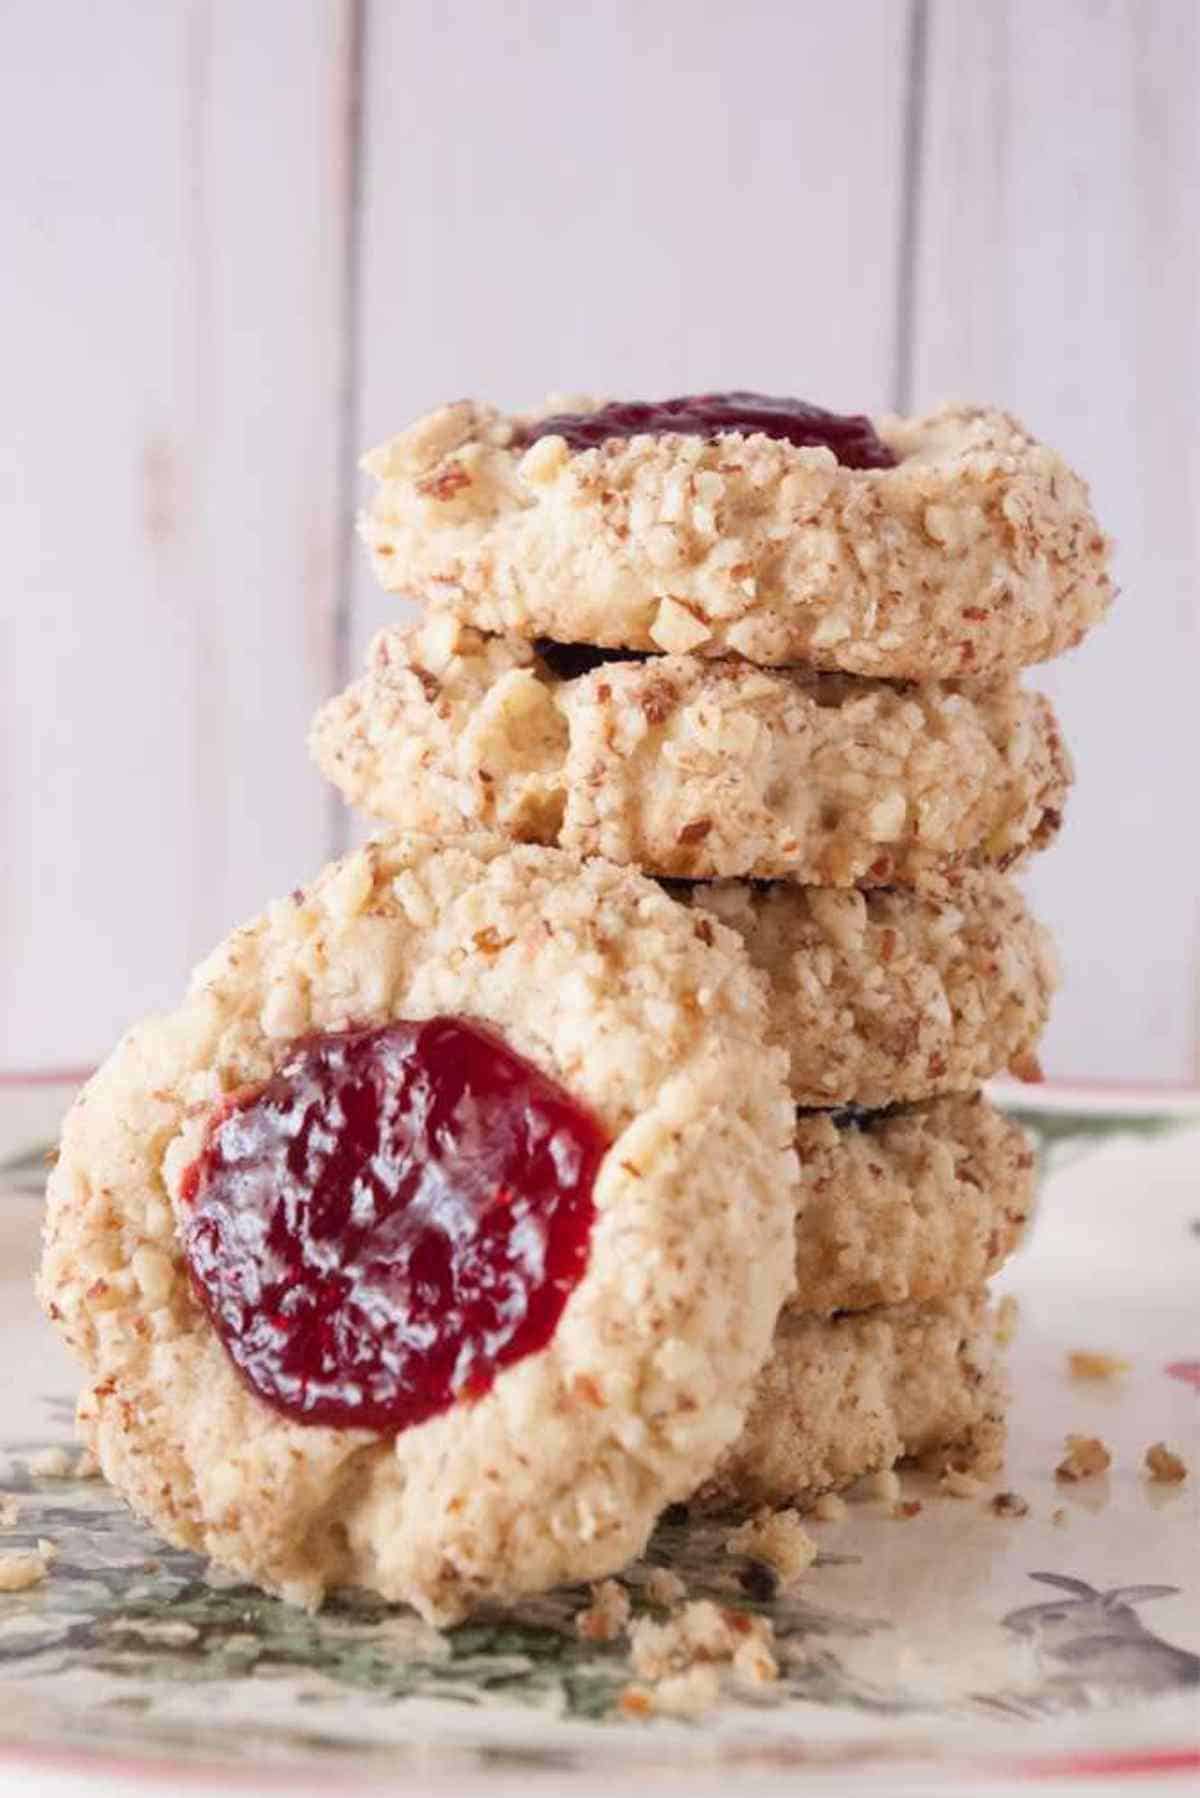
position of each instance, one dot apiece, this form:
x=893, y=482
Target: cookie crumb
x=830, y=1508
x=1086, y=1457
x=956, y=1482
x=1091, y=1364
x=1058, y=1516
x=1008, y=1316
x=906, y=1509
x=884, y=1485
x=777, y=1538
x=636, y=1701
x=1010, y=1504
x=607, y=1615
x=754, y=1664
x=665, y=1588
x=25, y=1567
x=687, y=1694
x=702, y=1631
x=1164, y=1466
x=51, y=1464
x=10, y=1510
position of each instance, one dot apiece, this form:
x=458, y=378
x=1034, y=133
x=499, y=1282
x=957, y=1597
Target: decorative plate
x=955, y=1649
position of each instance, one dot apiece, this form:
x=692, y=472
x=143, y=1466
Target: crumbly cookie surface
x=978, y=552
x=887, y=997
x=907, y=1205
x=557, y=1473
x=693, y=768
x=851, y=1395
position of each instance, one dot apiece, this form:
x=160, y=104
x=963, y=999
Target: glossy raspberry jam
x=851, y=436
x=394, y=1217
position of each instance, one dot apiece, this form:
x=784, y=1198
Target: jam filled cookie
x=434, y=1243
x=850, y=1395
x=909, y=1204
x=733, y=524
x=883, y=997
x=695, y=769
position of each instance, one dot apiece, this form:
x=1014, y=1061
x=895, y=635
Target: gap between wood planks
x=352, y=64
x=909, y=223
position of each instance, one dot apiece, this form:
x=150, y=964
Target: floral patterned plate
x=955, y=1649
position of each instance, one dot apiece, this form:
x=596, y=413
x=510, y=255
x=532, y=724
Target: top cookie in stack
x=730, y=524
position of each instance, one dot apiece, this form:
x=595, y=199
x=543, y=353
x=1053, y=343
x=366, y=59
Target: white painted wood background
x=244, y=241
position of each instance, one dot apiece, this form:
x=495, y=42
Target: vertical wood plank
x=1058, y=273
x=634, y=200
x=176, y=183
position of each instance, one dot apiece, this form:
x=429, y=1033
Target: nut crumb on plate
x=701, y=1632
x=1091, y=1364
x=1164, y=1466
x=831, y=1507
x=1010, y=1504
x=27, y=1567
x=606, y=1617
x=1086, y=1457
x=685, y=1694
x=10, y=1510
x=665, y=1588
x=957, y=1483
x=51, y=1464
x=778, y=1538
x=753, y=1662
x=883, y=1484
x=636, y=1701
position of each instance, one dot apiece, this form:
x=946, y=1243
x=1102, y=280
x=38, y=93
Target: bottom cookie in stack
x=856, y=1393
x=888, y=1349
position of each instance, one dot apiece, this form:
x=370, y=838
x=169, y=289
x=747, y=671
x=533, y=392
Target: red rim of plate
x=1141, y=1762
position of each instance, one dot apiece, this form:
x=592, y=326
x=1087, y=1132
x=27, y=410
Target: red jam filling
x=851, y=437
x=393, y=1218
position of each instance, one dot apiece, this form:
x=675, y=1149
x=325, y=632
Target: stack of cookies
x=607, y=1132
x=769, y=656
